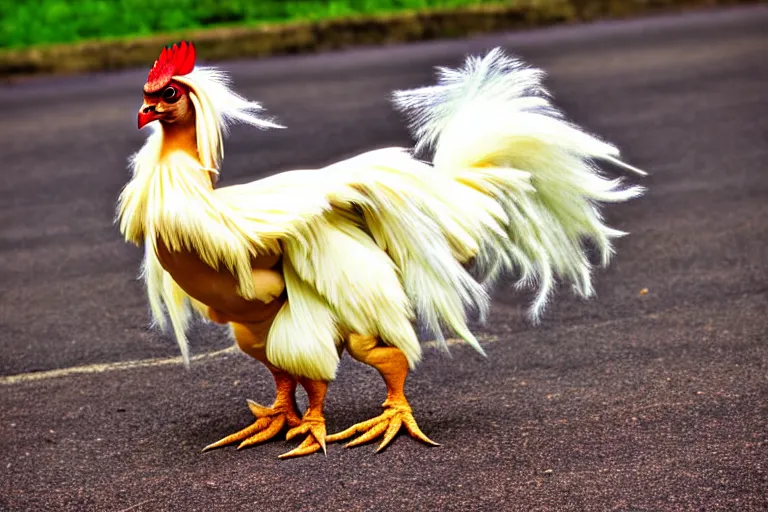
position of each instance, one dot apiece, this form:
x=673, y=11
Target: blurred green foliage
x=29, y=22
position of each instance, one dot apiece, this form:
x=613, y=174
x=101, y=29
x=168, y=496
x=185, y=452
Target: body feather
x=374, y=242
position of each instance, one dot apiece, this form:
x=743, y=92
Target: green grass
x=26, y=23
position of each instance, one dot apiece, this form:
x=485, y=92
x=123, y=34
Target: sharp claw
x=392, y=430
x=388, y=424
x=299, y=452
x=310, y=445
x=260, y=411
x=373, y=433
x=318, y=432
x=237, y=436
x=361, y=427
x=274, y=427
x=314, y=427
x=301, y=429
x=413, y=428
x=340, y=436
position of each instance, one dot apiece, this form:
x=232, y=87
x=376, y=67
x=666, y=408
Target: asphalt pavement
x=651, y=396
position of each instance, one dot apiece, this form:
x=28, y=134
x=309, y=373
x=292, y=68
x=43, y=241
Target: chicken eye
x=170, y=95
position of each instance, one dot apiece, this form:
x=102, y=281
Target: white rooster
x=305, y=264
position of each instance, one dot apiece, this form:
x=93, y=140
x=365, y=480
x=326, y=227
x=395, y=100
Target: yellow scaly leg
x=393, y=367
x=269, y=420
x=313, y=422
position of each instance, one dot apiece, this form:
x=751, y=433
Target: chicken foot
x=270, y=420
x=312, y=423
x=283, y=412
x=393, y=367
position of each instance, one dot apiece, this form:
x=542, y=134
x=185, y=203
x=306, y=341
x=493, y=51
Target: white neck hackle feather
x=375, y=241
x=170, y=199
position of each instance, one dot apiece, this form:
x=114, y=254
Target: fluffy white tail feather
x=492, y=126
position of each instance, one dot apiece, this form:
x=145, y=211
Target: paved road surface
x=626, y=402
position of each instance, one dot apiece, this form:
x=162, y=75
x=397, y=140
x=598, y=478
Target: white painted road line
x=147, y=363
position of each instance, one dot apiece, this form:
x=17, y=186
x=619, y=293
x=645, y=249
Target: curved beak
x=147, y=114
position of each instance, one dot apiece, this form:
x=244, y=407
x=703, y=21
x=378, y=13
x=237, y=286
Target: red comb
x=177, y=60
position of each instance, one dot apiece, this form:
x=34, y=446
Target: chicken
x=305, y=264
